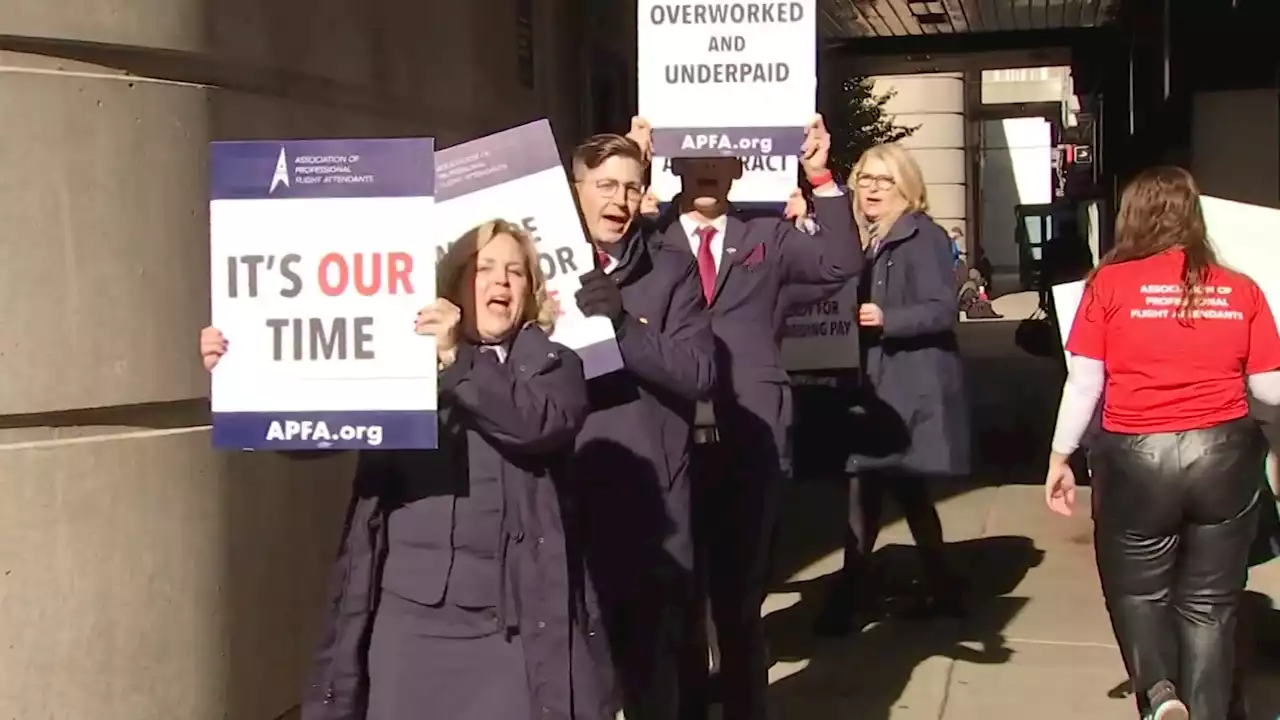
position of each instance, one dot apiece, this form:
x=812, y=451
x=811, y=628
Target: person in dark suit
x=913, y=405
x=452, y=595
x=632, y=460
x=743, y=269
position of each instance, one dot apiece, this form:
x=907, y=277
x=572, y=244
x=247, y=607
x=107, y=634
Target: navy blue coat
x=916, y=413
x=526, y=412
x=762, y=257
x=633, y=452
x=631, y=467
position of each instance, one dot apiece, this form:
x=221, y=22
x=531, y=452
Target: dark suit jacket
x=761, y=258
x=633, y=453
x=523, y=415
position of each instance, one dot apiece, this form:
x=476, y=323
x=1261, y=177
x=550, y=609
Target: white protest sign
x=320, y=257
x=516, y=175
x=824, y=336
x=1246, y=238
x=1066, y=301
x=728, y=79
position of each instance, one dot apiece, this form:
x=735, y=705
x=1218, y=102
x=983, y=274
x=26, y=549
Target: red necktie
x=706, y=261
x=602, y=259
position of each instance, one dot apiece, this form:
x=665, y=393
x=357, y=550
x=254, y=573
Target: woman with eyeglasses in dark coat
x=455, y=588
x=910, y=428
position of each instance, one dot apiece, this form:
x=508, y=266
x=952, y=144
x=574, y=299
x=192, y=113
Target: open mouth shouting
x=615, y=220
x=499, y=303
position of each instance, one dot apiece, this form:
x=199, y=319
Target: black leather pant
x=1174, y=515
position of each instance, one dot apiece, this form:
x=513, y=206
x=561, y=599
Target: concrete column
x=935, y=103
x=142, y=576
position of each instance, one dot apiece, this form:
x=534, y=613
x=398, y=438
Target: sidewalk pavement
x=1038, y=642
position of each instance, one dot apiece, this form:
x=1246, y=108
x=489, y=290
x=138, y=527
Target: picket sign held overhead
x=728, y=79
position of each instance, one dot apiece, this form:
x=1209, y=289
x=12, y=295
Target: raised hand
x=817, y=147
x=649, y=205
x=642, y=133
x=441, y=320
x=796, y=208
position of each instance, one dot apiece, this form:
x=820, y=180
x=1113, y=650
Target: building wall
x=1025, y=85
x=143, y=576
x=934, y=104
x=1235, y=145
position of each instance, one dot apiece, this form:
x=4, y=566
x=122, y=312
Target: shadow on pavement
x=1259, y=638
x=865, y=674
x=1261, y=657
x=1013, y=397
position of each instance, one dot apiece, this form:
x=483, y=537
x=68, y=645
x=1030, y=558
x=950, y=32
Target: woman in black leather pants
x=1177, y=342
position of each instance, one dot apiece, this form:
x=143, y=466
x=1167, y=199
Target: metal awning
x=849, y=19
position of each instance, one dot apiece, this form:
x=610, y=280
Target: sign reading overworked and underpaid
x=321, y=254
x=728, y=79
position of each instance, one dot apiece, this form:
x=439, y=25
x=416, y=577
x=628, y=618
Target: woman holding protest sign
x=911, y=422
x=1177, y=342
x=453, y=592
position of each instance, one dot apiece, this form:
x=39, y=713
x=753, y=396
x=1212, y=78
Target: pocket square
x=755, y=257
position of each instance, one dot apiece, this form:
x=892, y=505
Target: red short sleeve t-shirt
x=1164, y=375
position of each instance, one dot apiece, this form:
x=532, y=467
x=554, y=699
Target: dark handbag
x=819, y=430
x=1266, y=544
x=876, y=436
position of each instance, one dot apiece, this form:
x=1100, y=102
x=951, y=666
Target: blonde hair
x=461, y=256
x=908, y=181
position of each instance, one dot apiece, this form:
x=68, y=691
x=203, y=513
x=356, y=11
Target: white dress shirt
x=705, y=416
x=695, y=240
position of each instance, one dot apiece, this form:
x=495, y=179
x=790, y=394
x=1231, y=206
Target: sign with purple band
x=728, y=142
x=728, y=79
x=321, y=254
x=516, y=175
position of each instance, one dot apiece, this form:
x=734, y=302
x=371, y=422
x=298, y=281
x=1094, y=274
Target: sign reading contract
x=726, y=79
x=516, y=175
x=320, y=256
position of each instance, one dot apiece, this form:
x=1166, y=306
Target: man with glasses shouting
x=631, y=463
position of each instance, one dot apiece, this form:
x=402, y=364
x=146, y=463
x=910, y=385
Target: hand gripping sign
x=321, y=253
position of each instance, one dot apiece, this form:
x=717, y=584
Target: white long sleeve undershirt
x=1086, y=378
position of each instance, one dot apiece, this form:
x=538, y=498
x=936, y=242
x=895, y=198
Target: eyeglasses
x=609, y=188
x=880, y=182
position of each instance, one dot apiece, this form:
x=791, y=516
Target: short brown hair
x=595, y=150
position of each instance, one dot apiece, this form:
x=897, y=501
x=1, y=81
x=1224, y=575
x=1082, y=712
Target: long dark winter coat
x=914, y=412
x=527, y=412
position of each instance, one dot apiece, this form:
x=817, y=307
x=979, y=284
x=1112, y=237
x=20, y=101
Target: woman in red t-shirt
x=1177, y=342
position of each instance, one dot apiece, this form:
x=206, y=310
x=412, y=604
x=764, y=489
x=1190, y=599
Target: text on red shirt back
x=1166, y=374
